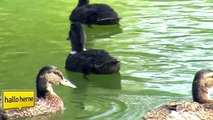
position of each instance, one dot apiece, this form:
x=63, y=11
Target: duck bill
x=67, y=83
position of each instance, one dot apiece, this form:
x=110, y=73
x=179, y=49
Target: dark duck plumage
x=88, y=61
x=46, y=101
x=200, y=109
x=101, y=14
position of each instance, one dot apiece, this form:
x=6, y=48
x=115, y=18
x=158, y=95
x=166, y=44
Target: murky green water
x=160, y=44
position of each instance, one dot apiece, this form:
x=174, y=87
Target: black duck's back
x=92, y=61
x=94, y=14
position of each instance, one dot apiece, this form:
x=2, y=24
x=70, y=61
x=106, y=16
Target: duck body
x=47, y=101
x=43, y=106
x=180, y=111
x=92, y=61
x=100, y=14
x=200, y=109
x=88, y=61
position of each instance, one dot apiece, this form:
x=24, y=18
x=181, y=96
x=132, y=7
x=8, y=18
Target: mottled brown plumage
x=47, y=101
x=200, y=109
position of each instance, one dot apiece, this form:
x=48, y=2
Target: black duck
x=101, y=14
x=88, y=61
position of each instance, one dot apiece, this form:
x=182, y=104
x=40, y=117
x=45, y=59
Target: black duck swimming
x=47, y=101
x=200, y=109
x=101, y=14
x=88, y=61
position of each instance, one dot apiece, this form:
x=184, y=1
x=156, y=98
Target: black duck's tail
x=107, y=67
x=108, y=21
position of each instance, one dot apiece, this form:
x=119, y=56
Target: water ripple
x=99, y=107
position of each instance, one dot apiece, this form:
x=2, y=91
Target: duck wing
x=81, y=14
x=104, y=63
x=80, y=62
x=105, y=12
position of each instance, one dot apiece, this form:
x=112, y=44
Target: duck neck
x=200, y=93
x=77, y=40
x=82, y=2
x=76, y=47
x=44, y=89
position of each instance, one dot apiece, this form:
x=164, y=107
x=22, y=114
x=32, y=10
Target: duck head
x=82, y=2
x=201, y=86
x=47, y=77
x=77, y=37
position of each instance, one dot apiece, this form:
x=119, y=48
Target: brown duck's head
x=47, y=77
x=201, y=86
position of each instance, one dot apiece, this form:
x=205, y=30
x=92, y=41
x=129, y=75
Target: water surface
x=160, y=43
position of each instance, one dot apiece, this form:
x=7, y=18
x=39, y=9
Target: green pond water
x=160, y=43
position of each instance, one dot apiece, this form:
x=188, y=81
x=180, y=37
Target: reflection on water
x=97, y=106
x=97, y=31
x=90, y=99
x=160, y=43
x=100, y=33
x=111, y=81
x=106, y=81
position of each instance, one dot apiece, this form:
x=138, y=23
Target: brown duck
x=200, y=109
x=47, y=100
